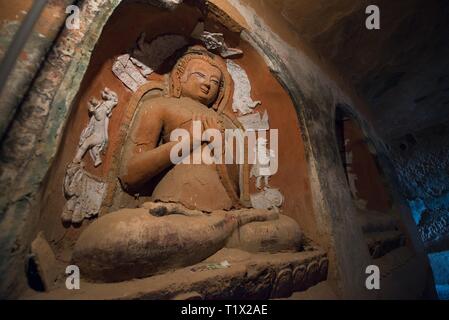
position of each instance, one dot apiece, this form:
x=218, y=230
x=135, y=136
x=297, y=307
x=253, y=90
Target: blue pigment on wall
x=423, y=173
x=443, y=291
x=417, y=207
x=440, y=266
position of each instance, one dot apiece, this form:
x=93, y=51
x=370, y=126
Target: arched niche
x=120, y=34
x=377, y=212
x=363, y=173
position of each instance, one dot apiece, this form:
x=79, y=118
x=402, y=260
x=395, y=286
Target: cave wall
x=422, y=163
x=317, y=89
x=421, y=160
x=12, y=14
x=30, y=144
x=364, y=176
x=400, y=69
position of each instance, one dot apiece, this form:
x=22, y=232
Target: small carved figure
x=95, y=136
x=261, y=169
x=72, y=191
x=269, y=199
x=83, y=192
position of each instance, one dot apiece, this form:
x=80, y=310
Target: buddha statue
x=200, y=88
x=196, y=209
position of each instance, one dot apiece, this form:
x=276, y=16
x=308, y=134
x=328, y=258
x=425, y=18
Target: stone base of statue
x=228, y=274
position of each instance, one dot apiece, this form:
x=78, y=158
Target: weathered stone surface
x=250, y=276
x=24, y=165
x=400, y=69
x=241, y=100
x=84, y=194
x=283, y=285
x=45, y=260
x=271, y=236
x=421, y=161
x=36, y=47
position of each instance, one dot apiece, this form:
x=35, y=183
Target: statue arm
x=144, y=159
x=140, y=168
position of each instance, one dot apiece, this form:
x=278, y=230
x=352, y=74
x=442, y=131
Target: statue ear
x=184, y=77
x=218, y=106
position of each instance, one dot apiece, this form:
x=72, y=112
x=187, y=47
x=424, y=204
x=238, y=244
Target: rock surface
x=249, y=276
x=268, y=236
x=45, y=261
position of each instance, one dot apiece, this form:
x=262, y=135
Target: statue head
x=199, y=75
x=201, y=81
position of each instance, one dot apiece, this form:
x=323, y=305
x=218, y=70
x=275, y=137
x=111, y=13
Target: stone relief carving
x=214, y=41
x=94, y=137
x=200, y=88
x=83, y=191
x=261, y=169
x=283, y=285
x=269, y=199
x=155, y=52
x=188, y=100
x=131, y=71
x=255, y=121
x=84, y=194
x=241, y=100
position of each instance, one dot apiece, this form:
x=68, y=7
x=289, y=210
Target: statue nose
x=206, y=85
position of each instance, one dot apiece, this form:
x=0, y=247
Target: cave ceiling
x=401, y=70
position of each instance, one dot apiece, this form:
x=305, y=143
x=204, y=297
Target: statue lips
x=205, y=89
x=204, y=95
x=133, y=243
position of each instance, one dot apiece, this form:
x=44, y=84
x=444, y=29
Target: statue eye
x=199, y=74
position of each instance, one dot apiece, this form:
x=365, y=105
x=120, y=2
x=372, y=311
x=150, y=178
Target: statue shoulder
x=159, y=103
x=156, y=106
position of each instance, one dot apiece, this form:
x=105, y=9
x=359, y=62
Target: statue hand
x=209, y=123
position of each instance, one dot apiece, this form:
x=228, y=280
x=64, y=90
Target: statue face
x=201, y=81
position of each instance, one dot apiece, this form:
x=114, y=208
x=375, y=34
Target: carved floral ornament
x=85, y=192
